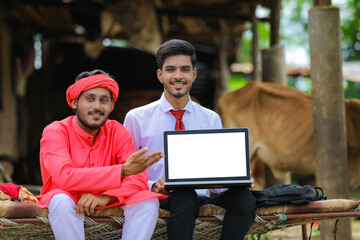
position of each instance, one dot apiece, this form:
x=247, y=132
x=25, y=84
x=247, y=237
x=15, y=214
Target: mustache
x=96, y=112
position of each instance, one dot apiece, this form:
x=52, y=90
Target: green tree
x=350, y=27
x=294, y=33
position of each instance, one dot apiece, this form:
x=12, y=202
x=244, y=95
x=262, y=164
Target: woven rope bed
x=19, y=220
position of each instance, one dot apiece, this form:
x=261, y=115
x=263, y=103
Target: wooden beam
x=90, y=7
x=205, y=14
x=205, y=37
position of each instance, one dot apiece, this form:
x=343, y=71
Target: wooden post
x=274, y=70
x=8, y=117
x=273, y=62
x=275, y=6
x=255, y=44
x=273, y=59
x=329, y=111
x=221, y=83
x=48, y=70
x=304, y=232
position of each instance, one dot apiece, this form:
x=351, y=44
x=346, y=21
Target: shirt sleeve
x=150, y=184
x=131, y=125
x=217, y=125
x=54, y=154
x=217, y=122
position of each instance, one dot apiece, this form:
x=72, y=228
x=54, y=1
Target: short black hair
x=175, y=47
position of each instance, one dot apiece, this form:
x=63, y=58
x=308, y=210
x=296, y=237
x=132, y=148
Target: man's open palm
x=138, y=162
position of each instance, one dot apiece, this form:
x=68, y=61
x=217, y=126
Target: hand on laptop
x=159, y=187
x=252, y=182
x=138, y=162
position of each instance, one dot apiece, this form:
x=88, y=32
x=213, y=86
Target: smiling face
x=177, y=75
x=93, y=108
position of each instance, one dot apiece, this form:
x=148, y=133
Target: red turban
x=93, y=81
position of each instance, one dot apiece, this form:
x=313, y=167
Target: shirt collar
x=166, y=106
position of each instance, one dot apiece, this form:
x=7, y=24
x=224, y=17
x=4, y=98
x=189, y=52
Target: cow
x=280, y=122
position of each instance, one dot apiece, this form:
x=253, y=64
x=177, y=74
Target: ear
x=74, y=103
x=194, y=74
x=112, y=106
x=159, y=75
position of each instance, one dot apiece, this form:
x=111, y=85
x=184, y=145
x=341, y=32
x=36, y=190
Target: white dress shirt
x=147, y=124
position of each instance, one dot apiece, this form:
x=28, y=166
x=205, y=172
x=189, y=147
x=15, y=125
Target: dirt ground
x=294, y=233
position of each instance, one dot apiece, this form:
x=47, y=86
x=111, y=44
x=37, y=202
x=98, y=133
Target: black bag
x=288, y=194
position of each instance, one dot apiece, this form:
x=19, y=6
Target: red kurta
x=72, y=164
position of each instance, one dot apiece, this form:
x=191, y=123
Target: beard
x=83, y=121
x=176, y=93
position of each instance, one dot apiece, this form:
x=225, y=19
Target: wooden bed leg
x=304, y=232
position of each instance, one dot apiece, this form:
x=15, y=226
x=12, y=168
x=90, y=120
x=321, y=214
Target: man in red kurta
x=88, y=161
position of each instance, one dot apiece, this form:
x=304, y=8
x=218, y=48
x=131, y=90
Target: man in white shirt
x=176, y=62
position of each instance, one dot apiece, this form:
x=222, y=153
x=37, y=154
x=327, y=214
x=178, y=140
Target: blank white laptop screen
x=207, y=158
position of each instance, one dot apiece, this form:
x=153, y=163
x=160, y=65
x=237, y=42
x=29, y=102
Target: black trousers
x=184, y=205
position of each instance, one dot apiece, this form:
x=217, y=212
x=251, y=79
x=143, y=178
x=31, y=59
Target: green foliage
x=302, y=180
x=256, y=237
x=245, y=48
x=246, y=44
x=237, y=81
x=350, y=28
x=294, y=32
x=294, y=23
x=264, y=35
x=351, y=89
x=300, y=83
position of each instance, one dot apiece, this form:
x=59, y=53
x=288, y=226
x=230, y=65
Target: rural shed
x=66, y=37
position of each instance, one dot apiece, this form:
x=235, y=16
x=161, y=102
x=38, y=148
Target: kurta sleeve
x=58, y=166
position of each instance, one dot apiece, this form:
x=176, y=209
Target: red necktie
x=179, y=123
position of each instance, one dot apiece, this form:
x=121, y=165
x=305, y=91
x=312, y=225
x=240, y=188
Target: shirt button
x=92, y=164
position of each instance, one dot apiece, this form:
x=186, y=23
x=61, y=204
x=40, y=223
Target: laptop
x=207, y=158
